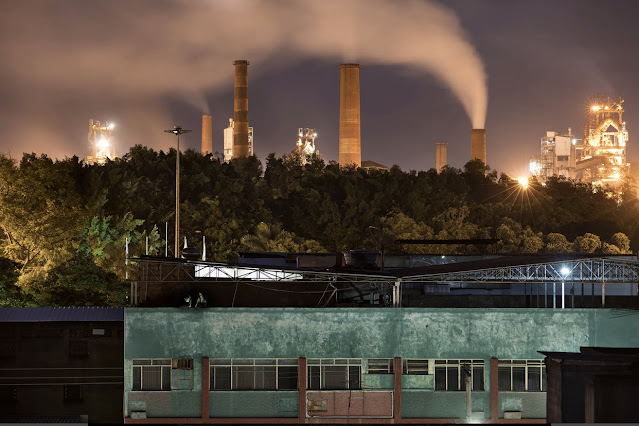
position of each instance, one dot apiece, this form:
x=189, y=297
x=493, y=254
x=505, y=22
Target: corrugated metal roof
x=61, y=314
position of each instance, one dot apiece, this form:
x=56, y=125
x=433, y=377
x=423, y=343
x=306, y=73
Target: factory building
x=305, y=146
x=342, y=365
x=100, y=142
x=558, y=156
x=229, y=141
x=601, y=159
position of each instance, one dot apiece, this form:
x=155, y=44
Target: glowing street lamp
x=564, y=273
x=177, y=130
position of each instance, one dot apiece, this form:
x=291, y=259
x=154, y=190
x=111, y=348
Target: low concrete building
x=377, y=365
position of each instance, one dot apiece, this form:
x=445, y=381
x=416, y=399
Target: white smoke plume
x=145, y=50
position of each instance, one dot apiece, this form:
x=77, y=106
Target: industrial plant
x=305, y=147
x=599, y=158
x=100, y=142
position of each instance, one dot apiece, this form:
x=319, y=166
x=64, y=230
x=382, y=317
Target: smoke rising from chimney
x=147, y=50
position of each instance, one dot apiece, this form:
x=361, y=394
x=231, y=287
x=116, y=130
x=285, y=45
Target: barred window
x=334, y=374
x=522, y=375
x=182, y=374
x=253, y=374
x=151, y=375
x=380, y=366
x=415, y=366
x=450, y=374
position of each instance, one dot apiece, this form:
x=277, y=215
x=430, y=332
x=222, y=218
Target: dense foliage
x=65, y=224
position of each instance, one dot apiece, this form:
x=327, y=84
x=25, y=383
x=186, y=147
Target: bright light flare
x=111, y=126
x=616, y=176
x=595, y=107
x=103, y=143
x=523, y=181
x=564, y=270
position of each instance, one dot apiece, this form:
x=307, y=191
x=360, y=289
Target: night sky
x=147, y=65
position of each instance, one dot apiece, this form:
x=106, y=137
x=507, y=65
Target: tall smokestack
x=440, y=156
x=478, y=145
x=207, y=134
x=240, y=115
x=350, y=149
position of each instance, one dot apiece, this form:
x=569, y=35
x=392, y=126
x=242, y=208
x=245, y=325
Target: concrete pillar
x=440, y=156
x=206, y=376
x=478, y=145
x=301, y=384
x=494, y=389
x=397, y=390
x=350, y=151
x=207, y=134
x=240, y=115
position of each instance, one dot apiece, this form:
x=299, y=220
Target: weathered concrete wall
x=367, y=333
x=531, y=404
x=418, y=404
x=253, y=404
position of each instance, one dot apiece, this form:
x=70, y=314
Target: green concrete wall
x=531, y=404
x=378, y=381
x=434, y=404
x=253, y=404
x=366, y=333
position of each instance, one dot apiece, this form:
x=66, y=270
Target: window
x=334, y=374
x=450, y=374
x=151, y=375
x=415, y=366
x=380, y=366
x=253, y=374
x=562, y=158
x=521, y=375
x=182, y=374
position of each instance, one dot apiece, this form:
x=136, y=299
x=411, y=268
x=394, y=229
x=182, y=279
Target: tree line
x=65, y=224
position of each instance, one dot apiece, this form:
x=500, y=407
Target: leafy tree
x=557, y=244
x=588, y=243
x=10, y=293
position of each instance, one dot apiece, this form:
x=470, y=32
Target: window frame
x=527, y=364
x=459, y=363
x=234, y=363
x=153, y=362
x=379, y=367
x=322, y=363
x=414, y=370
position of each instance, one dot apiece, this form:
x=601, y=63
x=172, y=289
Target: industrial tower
x=100, y=142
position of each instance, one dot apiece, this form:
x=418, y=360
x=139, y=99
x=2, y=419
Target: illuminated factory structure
x=229, y=141
x=599, y=158
x=100, y=142
x=306, y=143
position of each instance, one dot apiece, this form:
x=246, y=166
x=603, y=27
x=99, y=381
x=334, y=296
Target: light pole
x=177, y=130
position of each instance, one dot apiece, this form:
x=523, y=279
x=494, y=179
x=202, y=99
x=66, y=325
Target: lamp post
x=177, y=130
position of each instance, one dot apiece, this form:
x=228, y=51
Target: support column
x=301, y=385
x=397, y=390
x=206, y=376
x=494, y=389
x=397, y=293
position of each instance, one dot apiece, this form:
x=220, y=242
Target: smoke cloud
x=89, y=54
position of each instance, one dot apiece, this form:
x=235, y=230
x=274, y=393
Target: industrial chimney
x=207, y=134
x=478, y=145
x=240, y=115
x=440, y=156
x=350, y=150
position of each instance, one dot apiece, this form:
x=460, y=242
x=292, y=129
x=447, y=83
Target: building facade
x=381, y=365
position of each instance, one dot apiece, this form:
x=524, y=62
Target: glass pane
x=220, y=361
x=243, y=378
x=265, y=378
x=380, y=366
x=312, y=361
x=265, y=362
x=151, y=378
x=534, y=378
x=478, y=378
x=328, y=361
x=504, y=378
x=440, y=378
x=417, y=366
x=243, y=362
x=291, y=361
x=137, y=378
x=453, y=379
x=354, y=377
x=161, y=362
x=314, y=378
x=341, y=361
x=141, y=362
x=222, y=378
x=335, y=377
x=287, y=378
x=519, y=379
